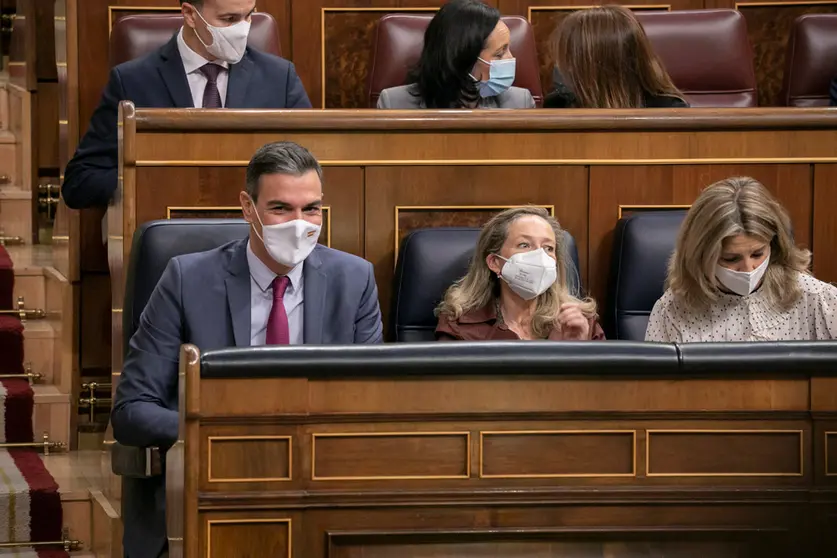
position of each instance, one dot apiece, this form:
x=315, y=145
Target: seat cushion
x=707, y=54
x=810, y=61
x=157, y=242
x=642, y=247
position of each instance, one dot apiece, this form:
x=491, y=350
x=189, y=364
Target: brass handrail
x=23, y=313
x=66, y=543
x=30, y=376
x=10, y=240
x=92, y=402
x=46, y=444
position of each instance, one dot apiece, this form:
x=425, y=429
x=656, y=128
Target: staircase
x=50, y=304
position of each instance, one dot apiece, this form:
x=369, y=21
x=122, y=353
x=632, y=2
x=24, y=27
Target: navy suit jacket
x=157, y=80
x=204, y=299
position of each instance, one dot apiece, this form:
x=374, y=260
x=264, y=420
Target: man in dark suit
x=275, y=287
x=207, y=64
x=833, y=93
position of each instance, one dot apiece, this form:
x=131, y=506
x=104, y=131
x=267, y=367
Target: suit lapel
x=239, y=80
x=238, y=294
x=171, y=70
x=313, y=308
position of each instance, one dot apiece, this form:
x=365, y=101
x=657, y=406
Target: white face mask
x=741, y=282
x=529, y=274
x=288, y=243
x=228, y=43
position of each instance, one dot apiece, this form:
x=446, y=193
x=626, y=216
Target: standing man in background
x=207, y=64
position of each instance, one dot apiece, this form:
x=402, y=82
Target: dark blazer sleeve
x=833, y=92
x=91, y=175
x=560, y=96
x=295, y=96
x=368, y=327
x=145, y=409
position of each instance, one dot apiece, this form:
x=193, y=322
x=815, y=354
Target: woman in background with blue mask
x=516, y=286
x=465, y=63
x=736, y=274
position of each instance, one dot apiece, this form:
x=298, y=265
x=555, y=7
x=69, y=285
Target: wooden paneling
x=463, y=196
x=769, y=25
x=676, y=186
x=830, y=464
x=383, y=469
x=555, y=543
x=348, y=42
x=244, y=537
x=390, y=456
x=720, y=453
x=825, y=217
x=557, y=454
x=96, y=323
x=213, y=193
x=248, y=458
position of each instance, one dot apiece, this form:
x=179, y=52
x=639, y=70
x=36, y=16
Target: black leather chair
x=157, y=242
x=154, y=244
x=429, y=261
x=642, y=246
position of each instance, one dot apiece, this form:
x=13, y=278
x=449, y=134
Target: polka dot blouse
x=748, y=318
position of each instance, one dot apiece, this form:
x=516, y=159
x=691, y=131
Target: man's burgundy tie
x=278, y=332
x=211, y=95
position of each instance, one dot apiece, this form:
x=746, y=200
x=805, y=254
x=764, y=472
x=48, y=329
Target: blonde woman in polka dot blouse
x=736, y=274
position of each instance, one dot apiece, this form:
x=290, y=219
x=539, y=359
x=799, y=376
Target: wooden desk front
x=584, y=464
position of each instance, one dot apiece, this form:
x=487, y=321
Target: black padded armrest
x=137, y=463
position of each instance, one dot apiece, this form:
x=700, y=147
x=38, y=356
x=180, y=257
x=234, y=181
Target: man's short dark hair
x=196, y=3
x=281, y=157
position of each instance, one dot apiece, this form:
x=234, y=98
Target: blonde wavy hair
x=731, y=207
x=607, y=61
x=480, y=286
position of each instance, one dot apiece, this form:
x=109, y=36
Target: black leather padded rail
x=429, y=261
x=794, y=357
x=401, y=359
x=157, y=242
x=525, y=358
x=642, y=246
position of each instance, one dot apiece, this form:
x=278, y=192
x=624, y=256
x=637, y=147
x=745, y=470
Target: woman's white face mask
x=529, y=274
x=741, y=283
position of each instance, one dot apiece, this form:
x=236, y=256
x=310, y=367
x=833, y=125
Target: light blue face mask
x=500, y=77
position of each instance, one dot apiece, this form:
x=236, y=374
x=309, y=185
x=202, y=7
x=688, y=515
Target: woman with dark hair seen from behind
x=465, y=62
x=603, y=59
x=736, y=274
x=516, y=286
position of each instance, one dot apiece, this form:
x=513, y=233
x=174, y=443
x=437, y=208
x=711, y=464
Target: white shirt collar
x=192, y=61
x=264, y=277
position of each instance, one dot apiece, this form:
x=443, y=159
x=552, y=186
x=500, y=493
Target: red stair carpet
x=30, y=506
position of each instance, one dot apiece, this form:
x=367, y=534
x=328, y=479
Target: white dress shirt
x=748, y=318
x=192, y=63
x=261, y=300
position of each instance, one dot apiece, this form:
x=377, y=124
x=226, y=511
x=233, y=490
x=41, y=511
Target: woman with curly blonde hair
x=736, y=274
x=516, y=286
